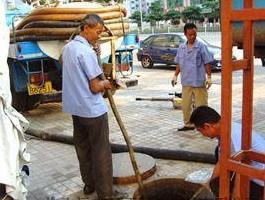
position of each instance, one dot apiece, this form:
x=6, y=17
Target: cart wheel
x=21, y=101
x=263, y=62
x=147, y=62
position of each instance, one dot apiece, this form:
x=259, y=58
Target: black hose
x=118, y=148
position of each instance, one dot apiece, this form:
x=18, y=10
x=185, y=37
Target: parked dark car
x=162, y=48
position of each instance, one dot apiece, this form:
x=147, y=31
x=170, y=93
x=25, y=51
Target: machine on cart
x=35, y=70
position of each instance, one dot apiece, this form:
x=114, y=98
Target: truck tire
x=22, y=102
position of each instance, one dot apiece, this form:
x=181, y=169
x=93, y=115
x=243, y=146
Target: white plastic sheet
x=200, y=176
x=13, y=153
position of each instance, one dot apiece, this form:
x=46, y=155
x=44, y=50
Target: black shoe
x=186, y=128
x=88, y=190
x=116, y=196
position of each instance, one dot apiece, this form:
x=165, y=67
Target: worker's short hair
x=204, y=114
x=189, y=26
x=91, y=20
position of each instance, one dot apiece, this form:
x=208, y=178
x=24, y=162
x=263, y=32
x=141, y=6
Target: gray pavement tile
x=54, y=166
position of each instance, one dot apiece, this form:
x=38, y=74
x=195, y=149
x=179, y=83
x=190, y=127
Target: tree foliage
x=192, y=13
x=107, y=1
x=214, y=6
x=174, y=17
x=136, y=18
x=155, y=13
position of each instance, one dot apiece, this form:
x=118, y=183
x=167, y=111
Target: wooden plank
x=113, y=58
x=247, y=98
x=240, y=64
x=226, y=97
x=249, y=154
x=241, y=163
x=246, y=170
x=253, y=14
x=264, y=192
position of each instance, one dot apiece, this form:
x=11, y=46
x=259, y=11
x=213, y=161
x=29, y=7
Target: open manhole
x=123, y=172
x=173, y=189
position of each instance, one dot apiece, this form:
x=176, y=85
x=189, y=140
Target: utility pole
x=141, y=15
x=165, y=9
x=186, y=3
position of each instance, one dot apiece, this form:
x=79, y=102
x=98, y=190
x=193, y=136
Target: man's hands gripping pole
x=208, y=82
x=174, y=80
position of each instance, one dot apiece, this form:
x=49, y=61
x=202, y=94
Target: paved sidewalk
x=54, y=166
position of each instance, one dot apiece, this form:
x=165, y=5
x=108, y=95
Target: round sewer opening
x=173, y=189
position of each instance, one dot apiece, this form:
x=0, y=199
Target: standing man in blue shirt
x=82, y=98
x=193, y=62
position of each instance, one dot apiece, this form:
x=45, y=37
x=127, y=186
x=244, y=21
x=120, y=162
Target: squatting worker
x=208, y=122
x=82, y=98
x=193, y=62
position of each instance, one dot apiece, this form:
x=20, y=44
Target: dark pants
x=255, y=191
x=91, y=140
x=2, y=190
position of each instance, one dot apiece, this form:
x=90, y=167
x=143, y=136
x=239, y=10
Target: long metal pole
x=129, y=144
x=120, y=122
x=141, y=15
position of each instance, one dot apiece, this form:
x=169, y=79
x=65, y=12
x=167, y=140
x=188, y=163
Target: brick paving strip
x=54, y=166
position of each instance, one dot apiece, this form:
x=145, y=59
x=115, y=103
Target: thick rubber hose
x=44, y=31
x=38, y=38
x=66, y=36
x=117, y=148
x=65, y=17
x=46, y=11
x=69, y=24
x=61, y=31
x=51, y=24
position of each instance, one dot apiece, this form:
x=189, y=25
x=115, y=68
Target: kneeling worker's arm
x=98, y=85
x=216, y=171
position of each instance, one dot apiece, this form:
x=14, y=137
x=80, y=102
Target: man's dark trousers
x=91, y=140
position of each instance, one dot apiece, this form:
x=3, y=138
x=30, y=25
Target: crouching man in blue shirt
x=208, y=122
x=193, y=62
x=82, y=98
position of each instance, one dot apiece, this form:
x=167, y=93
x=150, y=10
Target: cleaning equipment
x=127, y=140
x=120, y=122
x=176, y=99
x=36, y=44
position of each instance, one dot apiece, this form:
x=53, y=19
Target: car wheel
x=263, y=62
x=147, y=62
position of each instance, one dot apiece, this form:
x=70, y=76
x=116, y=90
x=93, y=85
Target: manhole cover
x=123, y=172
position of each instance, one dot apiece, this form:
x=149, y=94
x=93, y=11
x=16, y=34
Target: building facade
x=135, y=5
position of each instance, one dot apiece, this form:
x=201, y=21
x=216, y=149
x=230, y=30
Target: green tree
x=155, y=13
x=192, y=14
x=107, y=1
x=214, y=9
x=174, y=17
x=136, y=18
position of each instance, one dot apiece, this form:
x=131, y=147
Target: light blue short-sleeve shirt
x=192, y=63
x=258, y=144
x=79, y=66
